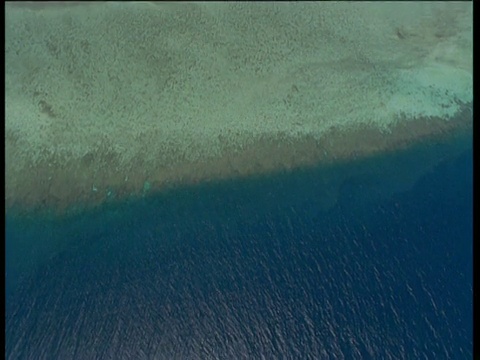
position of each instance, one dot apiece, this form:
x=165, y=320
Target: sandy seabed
x=108, y=100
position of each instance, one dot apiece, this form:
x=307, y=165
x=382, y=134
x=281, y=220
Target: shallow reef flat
x=107, y=100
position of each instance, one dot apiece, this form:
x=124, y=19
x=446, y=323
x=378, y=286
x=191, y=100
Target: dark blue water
x=366, y=260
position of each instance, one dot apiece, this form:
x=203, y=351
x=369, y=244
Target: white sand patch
x=431, y=91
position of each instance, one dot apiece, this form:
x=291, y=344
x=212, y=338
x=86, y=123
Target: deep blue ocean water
x=363, y=260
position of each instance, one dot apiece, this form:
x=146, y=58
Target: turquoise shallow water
x=371, y=259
